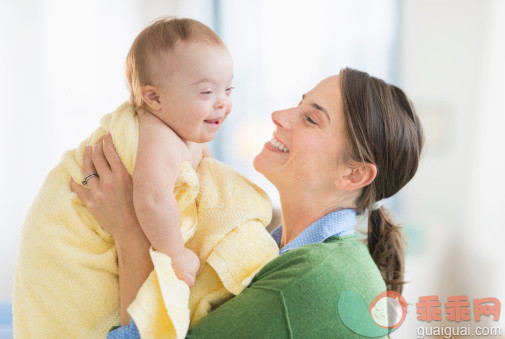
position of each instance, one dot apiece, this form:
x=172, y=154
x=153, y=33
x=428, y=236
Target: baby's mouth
x=213, y=121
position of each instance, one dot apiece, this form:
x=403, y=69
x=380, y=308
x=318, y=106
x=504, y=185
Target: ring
x=85, y=181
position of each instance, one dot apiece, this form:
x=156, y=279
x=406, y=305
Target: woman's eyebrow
x=319, y=108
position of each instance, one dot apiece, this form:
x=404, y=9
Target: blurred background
x=62, y=68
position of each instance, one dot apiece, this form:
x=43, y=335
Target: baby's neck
x=146, y=112
x=143, y=111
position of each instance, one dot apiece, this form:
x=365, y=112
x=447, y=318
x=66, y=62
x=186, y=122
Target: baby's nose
x=220, y=103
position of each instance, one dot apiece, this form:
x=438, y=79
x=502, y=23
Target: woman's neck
x=299, y=212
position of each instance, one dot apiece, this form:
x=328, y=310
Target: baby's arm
x=157, y=165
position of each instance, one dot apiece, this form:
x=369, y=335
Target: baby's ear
x=151, y=97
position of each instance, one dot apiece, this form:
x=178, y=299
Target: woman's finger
x=88, y=168
x=101, y=165
x=81, y=192
x=113, y=158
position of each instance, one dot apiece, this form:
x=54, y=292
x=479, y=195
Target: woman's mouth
x=277, y=146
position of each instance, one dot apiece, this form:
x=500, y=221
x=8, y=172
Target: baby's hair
x=160, y=37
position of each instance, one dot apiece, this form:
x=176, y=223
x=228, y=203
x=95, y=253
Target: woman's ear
x=356, y=178
x=151, y=97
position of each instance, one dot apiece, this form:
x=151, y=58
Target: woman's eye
x=309, y=119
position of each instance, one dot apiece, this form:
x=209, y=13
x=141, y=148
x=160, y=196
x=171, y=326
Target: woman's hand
x=110, y=195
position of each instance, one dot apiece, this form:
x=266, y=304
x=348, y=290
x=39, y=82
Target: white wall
x=450, y=69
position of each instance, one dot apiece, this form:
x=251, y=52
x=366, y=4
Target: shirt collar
x=336, y=223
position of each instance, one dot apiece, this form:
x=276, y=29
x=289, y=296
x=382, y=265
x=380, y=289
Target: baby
x=180, y=74
x=66, y=282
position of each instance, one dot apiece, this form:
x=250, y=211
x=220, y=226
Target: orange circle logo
x=388, y=309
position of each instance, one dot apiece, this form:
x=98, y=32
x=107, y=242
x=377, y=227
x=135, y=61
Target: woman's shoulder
x=337, y=264
x=310, y=280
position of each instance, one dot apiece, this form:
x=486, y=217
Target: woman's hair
x=383, y=130
x=152, y=44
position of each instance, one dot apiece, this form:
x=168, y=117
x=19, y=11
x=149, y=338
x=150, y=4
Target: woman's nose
x=281, y=120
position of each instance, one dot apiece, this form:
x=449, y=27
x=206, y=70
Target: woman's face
x=313, y=134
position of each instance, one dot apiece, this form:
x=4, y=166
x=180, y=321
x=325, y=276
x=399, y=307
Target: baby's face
x=195, y=92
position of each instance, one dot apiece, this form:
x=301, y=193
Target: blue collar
x=336, y=223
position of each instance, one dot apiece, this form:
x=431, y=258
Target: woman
x=352, y=141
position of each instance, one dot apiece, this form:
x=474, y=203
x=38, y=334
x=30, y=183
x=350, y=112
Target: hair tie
x=376, y=205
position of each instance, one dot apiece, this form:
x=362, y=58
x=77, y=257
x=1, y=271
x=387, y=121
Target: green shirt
x=296, y=294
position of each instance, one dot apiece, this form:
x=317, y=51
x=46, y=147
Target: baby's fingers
x=189, y=279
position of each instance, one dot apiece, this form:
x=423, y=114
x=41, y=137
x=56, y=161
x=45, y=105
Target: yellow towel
x=66, y=282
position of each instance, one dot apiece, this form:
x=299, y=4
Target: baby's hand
x=186, y=266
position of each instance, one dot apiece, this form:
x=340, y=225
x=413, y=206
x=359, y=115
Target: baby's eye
x=206, y=92
x=229, y=89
